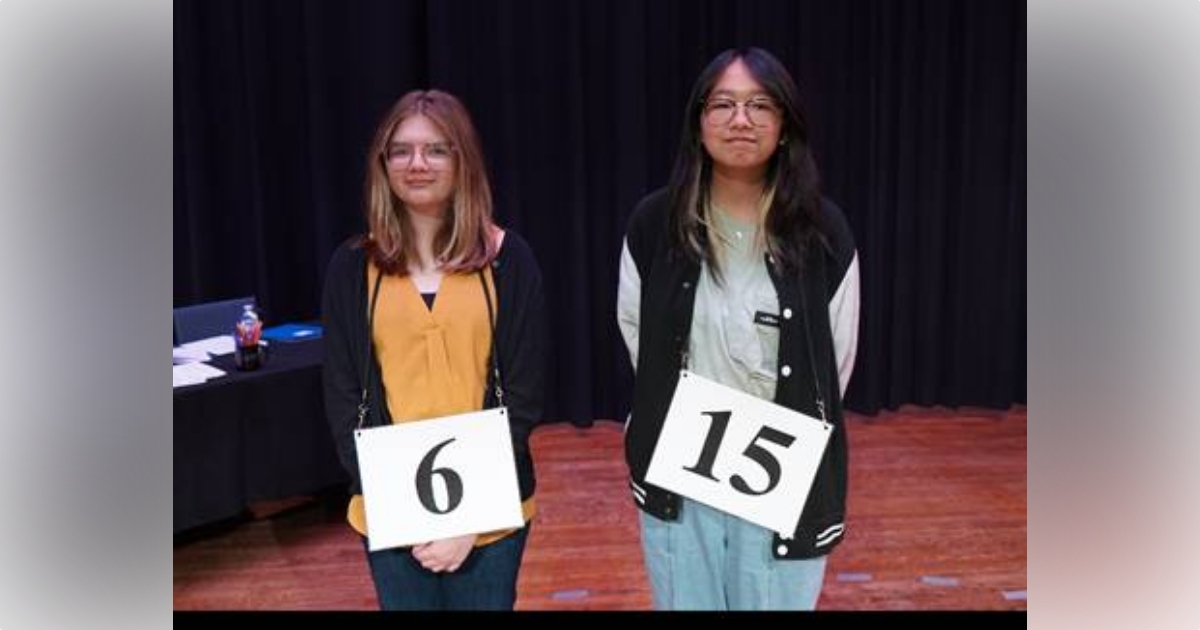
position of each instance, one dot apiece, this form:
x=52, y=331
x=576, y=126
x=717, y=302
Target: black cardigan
x=520, y=343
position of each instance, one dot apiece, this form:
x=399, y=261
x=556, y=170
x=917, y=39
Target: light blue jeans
x=710, y=560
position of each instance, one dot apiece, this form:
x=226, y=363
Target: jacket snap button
x=786, y=370
x=787, y=313
x=781, y=550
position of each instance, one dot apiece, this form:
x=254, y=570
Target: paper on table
x=193, y=374
x=188, y=355
x=216, y=346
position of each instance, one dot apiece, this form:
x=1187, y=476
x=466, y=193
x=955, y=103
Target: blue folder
x=293, y=332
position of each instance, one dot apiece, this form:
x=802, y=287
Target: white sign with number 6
x=438, y=478
x=738, y=453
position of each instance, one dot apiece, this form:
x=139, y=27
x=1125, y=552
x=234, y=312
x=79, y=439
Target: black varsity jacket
x=654, y=310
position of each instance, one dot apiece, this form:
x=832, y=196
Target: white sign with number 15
x=738, y=453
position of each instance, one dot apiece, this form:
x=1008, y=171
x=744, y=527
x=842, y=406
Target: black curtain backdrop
x=918, y=115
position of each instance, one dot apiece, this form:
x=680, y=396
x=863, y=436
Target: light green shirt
x=725, y=343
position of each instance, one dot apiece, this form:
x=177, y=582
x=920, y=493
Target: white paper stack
x=216, y=346
x=193, y=374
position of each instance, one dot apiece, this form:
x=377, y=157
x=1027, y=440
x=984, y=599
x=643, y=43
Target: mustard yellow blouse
x=434, y=361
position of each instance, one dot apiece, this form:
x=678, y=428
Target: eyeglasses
x=760, y=111
x=437, y=155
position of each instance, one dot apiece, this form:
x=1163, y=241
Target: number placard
x=438, y=478
x=738, y=453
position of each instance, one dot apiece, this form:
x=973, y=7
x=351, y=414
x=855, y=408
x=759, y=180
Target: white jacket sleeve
x=629, y=302
x=843, y=319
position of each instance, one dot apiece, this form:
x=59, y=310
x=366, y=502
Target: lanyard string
x=812, y=351
x=487, y=295
x=362, y=405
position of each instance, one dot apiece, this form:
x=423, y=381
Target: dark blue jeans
x=487, y=580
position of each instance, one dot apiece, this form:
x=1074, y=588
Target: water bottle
x=248, y=351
